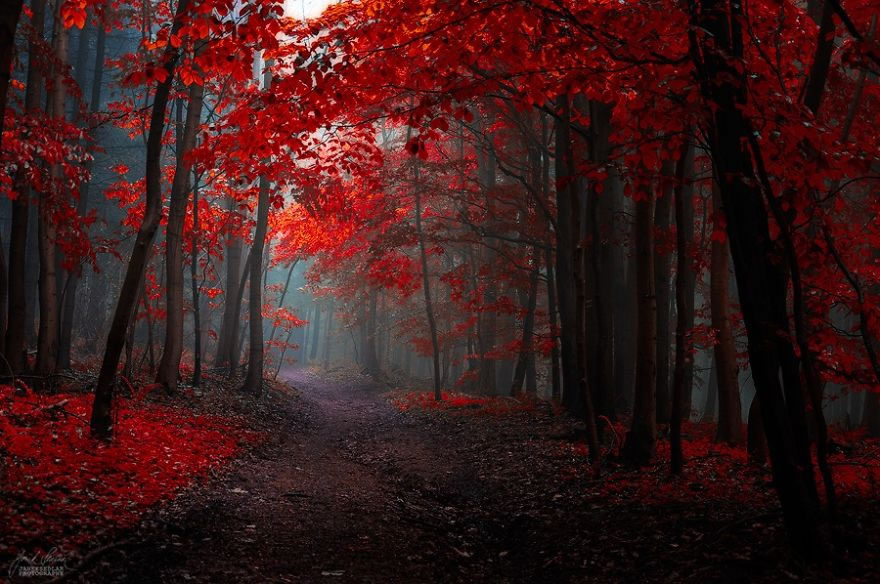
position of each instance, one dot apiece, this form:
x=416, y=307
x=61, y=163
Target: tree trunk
x=47, y=344
x=662, y=281
x=283, y=296
x=576, y=394
x=683, y=373
x=316, y=336
x=426, y=286
x=254, y=379
x=710, y=405
x=231, y=308
x=603, y=257
x=526, y=348
x=555, y=375
x=233, y=351
x=101, y=422
x=16, y=331
x=641, y=438
x=757, y=440
x=761, y=280
x=871, y=413
x=169, y=366
x=729, y=404
x=195, y=286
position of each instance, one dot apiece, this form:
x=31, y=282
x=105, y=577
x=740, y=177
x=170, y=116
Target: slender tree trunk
x=16, y=331
x=254, y=379
x=426, y=286
x=316, y=336
x=195, y=287
x=526, y=348
x=662, y=281
x=231, y=308
x=101, y=421
x=683, y=372
x=233, y=355
x=283, y=296
x=555, y=375
x=710, y=404
x=641, y=438
x=47, y=344
x=729, y=404
x=169, y=366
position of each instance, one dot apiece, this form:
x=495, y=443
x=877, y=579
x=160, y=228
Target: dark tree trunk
x=101, y=422
x=16, y=331
x=47, y=343
x=757, y=440
x=196, y=287
x=555, y=374
x=642, y=436
x=710, y=405
x=526, y=349
x=662, y=283
x=602, y=261
x=231, y=308
x=576, y=394
x=761, y=280
x=169, y=366
x=233, y=349
x=281, y=301
x=426, y=286
x=683, y=372
x=254, y=379
x=729, y=404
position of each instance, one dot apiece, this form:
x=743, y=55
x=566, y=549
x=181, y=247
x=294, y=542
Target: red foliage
x=720, y=472
x=459, y=402
x=61, y=487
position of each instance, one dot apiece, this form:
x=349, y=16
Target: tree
x=101, y=420
x=169, y=366
x=761, y=281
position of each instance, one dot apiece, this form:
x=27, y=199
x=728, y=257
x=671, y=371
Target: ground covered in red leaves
x=61, y=488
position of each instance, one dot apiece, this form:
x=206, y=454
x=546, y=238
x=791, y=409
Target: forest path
x=347, y=488
x=352, y=491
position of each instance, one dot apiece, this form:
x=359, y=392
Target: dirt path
x=349, y=489
x=353, y=490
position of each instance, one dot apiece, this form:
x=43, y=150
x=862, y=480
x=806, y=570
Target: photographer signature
x=41, y=564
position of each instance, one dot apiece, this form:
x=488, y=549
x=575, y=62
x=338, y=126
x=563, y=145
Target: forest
x=439, y=291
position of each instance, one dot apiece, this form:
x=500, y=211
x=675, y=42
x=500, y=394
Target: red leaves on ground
x=462, y=402
x=60, y=487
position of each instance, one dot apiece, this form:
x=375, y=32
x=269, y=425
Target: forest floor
x=354, y=484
